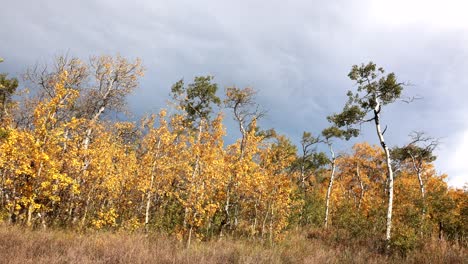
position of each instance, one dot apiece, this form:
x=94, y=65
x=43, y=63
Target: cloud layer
x=296, y=54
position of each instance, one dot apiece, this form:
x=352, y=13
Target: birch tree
x=246, y=112
x=196, y=100
x=374, y=91
x=115, y=78
x=309, y=159
x=418, y=153
x=328, y=135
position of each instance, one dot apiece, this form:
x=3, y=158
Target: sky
x=296, y=54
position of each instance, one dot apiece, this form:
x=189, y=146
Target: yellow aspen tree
x=276, y=164
x=246, y=112
x=247, y=181
x=374, y=91
x=360, y=190
x=111, y=179
x=196, y=100
x=160, y=151
x=199, y=200
x=43, y=146
x=416, y=154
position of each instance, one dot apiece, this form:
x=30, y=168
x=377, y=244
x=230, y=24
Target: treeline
x=64, y=164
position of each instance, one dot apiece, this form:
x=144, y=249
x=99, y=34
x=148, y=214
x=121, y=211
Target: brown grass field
x=21, y=245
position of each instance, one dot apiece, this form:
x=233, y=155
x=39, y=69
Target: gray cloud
x=296, y=54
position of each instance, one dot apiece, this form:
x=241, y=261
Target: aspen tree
x=328, y=135
x=196, y=100
x=374, y=91
x=418, y=152
x=245, y=111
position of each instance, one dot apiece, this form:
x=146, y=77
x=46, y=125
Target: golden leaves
x=164, y=175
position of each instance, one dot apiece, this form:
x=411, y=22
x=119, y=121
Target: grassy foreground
x=19, y=245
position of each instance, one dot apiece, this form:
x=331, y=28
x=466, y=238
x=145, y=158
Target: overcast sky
x=295, y=53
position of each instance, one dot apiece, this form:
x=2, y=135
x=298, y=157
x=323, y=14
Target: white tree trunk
x=418, y=169
x=197, y=158
x=330, y=185
x=150, y=189
x=389, y=173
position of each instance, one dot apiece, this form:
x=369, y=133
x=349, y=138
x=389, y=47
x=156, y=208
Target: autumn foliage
x=64, y=163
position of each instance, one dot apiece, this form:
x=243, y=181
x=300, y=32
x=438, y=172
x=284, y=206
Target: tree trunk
x=30, y=211
x=361, y=185
x=421, y=187
x=303, y=189
x=330, y=185
x=226, y=210
x=189, y=239
x=148, y=195
x=197, y=158
x=389, y=175
x=423, y=194
x=3, y=189
x=254, y=226
x=233, y=178
x=271, y=226
x=265, y=220
x=86, y=209
x=418, y=169
x=441, y=232
x=195, y=170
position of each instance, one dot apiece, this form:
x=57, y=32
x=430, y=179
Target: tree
x=374, y=91
x=196, y=101
x=115, y=78
x=246, y=112
x=309, y=158
x=328, y=134
x=418, y=152
x=31, y=159
x=156, y=143
x=103, y=85
x=42, y=79
x=7, y=89
x=276, y=162
x=360, y=177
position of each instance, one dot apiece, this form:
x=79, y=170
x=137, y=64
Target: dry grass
x=19, y=245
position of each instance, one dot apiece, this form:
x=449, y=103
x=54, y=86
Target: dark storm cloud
x=296, y=54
